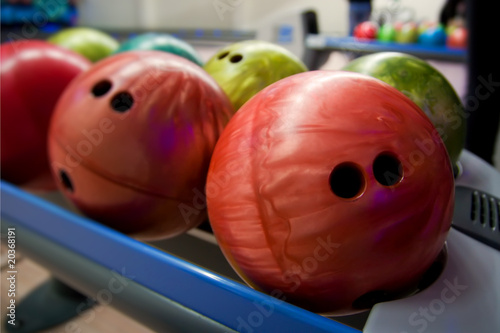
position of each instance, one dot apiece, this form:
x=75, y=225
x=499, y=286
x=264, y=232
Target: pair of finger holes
x=234, y=58
x=347, y=179
x=120, y=102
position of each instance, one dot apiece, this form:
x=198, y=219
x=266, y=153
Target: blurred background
x=198, y=14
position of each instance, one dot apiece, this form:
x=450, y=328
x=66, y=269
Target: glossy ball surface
x=245, y=68
x=425, y=86
x=407, y=33
x=386, y=33
x=366, y=30
x=328, y=188
x=161, y=42
x=33, y=76
x=93, y=44
x=433, y=36
x=458, y=38
x=131, y=141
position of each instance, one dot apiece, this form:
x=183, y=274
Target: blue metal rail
x=225, y=301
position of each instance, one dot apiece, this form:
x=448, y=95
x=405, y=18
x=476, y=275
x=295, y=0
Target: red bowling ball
x=458, y=38
x=366, y=30
x=331, y=190
x=131, y=141
x=33, y=74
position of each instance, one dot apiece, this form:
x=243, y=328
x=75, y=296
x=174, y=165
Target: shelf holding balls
x=331, y=190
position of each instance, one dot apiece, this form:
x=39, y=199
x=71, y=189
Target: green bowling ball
x=93, y=44
x=161, y=42
x=425, y=86
x=386, y=33
x=243, y=69
x=407, y=34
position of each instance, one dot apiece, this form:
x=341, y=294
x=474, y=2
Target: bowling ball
x=366, y=30
x=424, y=25
x=454, y=23
x=130, y=142
x=425, y=86
x=329, y=190
x=398, y=25
x=161, y=42
x=433, y=36
x=34, y=74
x=91, y=43
x=407, y=34
x=458, y=38
x=386, y=33
x=245, y=68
